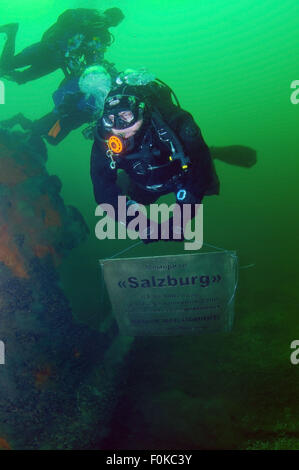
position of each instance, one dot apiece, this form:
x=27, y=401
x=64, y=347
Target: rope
x=125, y=250
x=215, y=247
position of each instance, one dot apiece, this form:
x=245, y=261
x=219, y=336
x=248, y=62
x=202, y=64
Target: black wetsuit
x=77, y=32
x=148, y=166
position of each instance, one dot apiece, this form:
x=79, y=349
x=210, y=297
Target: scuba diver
x=77, y=101
x=158, y=145
x=79, y=38
x=160, y=149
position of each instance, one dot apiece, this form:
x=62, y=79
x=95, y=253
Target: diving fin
x=238, y=155
x=10, y=28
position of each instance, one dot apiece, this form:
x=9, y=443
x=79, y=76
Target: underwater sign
x=172, y=295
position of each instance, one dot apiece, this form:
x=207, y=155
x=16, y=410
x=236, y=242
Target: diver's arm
x=106, y=191
x=203, y=174
x=103, y=178
x=201, y=177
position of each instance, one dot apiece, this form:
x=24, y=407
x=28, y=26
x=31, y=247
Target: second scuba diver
x=75, y=42
x=79, y=37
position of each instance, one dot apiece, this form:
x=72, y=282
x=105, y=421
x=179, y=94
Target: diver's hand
x=147, y=229
x=169, y=232
x=151, y=233
x=164, y=231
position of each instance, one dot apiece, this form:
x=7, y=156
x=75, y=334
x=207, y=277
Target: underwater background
x=231, y=64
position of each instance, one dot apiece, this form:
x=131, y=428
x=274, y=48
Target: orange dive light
x=115, y=144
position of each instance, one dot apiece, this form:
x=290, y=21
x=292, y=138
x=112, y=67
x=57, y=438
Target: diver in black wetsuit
x=157, y=144
x=78, y=39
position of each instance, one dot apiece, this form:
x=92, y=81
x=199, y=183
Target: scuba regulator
x=121, y=112
x=124, y=111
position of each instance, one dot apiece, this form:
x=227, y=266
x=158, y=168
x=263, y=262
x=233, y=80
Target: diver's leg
x=64, y=126
x=32, y=73
x=235, y=155
x=57, y=132
x=38, y=57
x=7, y=28
x=39, y=128
x=55, y=129
x=44, y=124
x=9, y=48
x=20, y=119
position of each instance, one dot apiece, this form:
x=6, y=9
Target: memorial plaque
x=172, y=295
